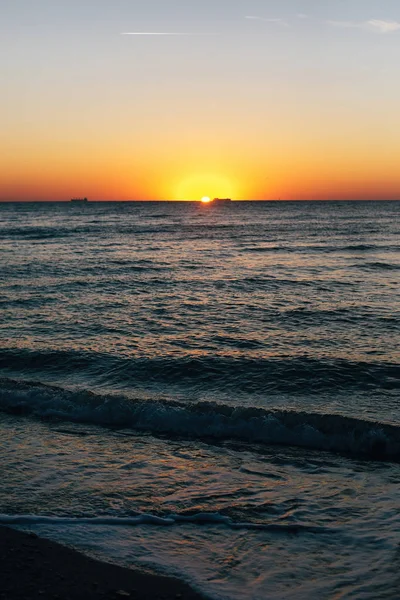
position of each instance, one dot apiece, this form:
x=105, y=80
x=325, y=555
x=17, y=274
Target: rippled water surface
x=210, y=390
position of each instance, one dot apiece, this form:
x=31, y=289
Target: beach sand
x=32, y=568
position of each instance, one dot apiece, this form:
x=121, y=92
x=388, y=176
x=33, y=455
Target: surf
x=205, y=421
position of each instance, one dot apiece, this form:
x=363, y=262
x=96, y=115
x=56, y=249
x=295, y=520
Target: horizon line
x=68, y=201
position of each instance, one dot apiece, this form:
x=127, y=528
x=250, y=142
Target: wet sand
x=32, y=568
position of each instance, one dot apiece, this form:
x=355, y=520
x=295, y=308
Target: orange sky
x=293, y=107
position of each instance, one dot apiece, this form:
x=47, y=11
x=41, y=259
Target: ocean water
x=211, y=391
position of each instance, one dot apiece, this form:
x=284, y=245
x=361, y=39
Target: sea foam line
x=166, y=521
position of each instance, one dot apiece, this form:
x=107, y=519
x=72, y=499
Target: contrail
x=162, y=33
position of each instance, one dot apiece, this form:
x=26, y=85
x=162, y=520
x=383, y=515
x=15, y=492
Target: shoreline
x=34, y=568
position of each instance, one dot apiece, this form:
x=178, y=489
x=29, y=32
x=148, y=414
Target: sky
x=179, y=99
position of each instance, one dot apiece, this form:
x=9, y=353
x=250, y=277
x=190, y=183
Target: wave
x=379, y=266
x=205, y=420
x=161, y=521
x=239, y=374
x=323, y=248
x=35, y=233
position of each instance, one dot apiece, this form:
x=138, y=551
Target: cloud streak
x=374, y=25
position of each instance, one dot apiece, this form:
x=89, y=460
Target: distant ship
x=222, y=200
x=79, y=200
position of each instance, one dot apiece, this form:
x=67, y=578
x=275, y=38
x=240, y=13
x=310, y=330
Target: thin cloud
x=266, y=20
x=374, y=25
x=384, y=26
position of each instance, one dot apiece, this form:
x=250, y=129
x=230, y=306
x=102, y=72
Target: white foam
x=148, y=519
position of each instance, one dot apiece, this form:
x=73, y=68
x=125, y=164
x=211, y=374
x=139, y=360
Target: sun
x=205, y=185
x=206, y=199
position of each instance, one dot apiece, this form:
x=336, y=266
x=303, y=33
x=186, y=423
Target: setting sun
x=194, y=185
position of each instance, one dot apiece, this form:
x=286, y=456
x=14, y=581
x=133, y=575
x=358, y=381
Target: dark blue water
x=235, y=365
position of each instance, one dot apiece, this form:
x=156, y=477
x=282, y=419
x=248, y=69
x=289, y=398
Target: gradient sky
x=260, y=99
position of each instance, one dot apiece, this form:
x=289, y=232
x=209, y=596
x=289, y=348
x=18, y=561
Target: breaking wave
x=205, y=420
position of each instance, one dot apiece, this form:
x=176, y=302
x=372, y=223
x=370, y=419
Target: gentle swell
x=205, y=420
x=296, y=375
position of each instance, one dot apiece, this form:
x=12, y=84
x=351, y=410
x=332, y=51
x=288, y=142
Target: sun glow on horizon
x=193, y=187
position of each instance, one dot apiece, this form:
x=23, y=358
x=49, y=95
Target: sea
x=207, y=391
